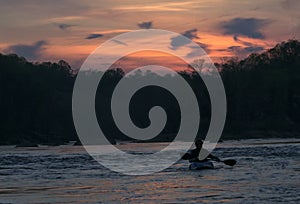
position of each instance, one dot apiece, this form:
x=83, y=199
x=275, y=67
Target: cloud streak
x=162, y=6
x=145, y=25
x=94, y=36
x=119, y=42
x=64, y=26
x=238, y=50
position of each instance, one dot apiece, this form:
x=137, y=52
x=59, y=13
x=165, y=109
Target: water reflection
x=264, y=173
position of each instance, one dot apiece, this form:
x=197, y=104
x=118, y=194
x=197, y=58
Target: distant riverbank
x=255, y=134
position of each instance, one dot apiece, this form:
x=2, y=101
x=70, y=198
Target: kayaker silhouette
x=206, y=163
x=193, y=155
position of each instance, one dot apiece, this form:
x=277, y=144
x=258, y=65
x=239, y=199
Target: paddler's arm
x=213, y=157
x=191, y=154
x=187, y=155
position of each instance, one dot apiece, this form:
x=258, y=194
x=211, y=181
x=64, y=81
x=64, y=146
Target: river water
x=267, y=171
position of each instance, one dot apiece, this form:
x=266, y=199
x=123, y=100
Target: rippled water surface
x=267, y=172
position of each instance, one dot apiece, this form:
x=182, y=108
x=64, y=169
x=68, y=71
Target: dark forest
x=262, y=90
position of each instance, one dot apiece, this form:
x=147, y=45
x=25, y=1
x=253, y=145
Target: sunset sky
x=51, y=30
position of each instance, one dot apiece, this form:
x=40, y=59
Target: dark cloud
x=243, y=52
x=250, y=47
x=64, y=26
x=254, y=49
x=180, y=41
x=203, y=46
x=145, y=25
x=195, y=53
x=249, y=27
x=191, y=34
x=30, y=52
x=289, y=4
x=236, y=39
x=93, y=36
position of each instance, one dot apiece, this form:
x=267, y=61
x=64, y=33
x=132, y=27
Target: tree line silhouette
x=263, y=99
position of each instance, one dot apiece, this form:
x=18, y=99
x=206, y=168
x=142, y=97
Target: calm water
x=267, y=172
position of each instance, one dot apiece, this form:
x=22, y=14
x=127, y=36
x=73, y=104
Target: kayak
x=201, y=165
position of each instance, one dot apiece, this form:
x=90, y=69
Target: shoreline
x=224, y=138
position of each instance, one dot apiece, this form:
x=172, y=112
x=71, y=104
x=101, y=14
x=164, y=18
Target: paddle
x=229, y=162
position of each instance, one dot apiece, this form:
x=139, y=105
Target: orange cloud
x=144, y=58
x=219, y=44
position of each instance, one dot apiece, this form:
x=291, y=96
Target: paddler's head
x=198, y=144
